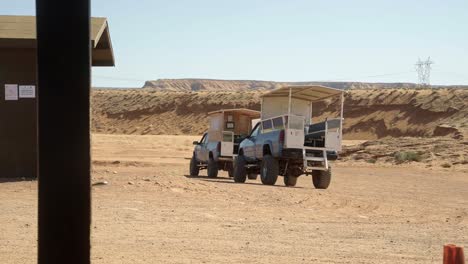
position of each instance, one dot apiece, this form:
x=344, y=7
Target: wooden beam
x=64, y=137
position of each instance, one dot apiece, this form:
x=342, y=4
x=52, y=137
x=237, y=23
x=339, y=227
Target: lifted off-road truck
x=217, y=147
x=287, y=143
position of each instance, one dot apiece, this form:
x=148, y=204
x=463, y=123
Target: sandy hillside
x=150, y=211
x=369, y=114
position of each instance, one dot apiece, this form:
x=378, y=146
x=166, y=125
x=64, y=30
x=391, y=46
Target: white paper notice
x=11, y=92
x=27, y=91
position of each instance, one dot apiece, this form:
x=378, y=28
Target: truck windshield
x=255, y=131
x=204, y=138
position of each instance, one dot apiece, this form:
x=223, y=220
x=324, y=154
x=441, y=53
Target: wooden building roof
x=20, y=32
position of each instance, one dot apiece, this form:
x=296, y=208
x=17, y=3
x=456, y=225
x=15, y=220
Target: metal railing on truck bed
x=313, y=139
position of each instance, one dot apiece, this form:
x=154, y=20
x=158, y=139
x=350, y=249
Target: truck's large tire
x=269, y=170
x=240, y=172
x=290, y=180
x=194, y=169
x=252, y=176
x=212, y=168
x=321, y=179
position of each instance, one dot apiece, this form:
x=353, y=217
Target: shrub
x=404, y=156
x=446, y=165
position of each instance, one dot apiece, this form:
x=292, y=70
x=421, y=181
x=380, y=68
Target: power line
x=125, y=79
x=452, y=73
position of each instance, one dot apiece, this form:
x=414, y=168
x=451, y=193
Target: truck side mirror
x=196, y=143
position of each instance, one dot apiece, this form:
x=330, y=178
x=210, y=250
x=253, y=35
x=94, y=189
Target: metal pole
x=261, y=109
x=289, y=109
x=311, y=113
x=64, y=60
x=341, y=117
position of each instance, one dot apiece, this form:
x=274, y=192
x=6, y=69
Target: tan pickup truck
x=217, y=147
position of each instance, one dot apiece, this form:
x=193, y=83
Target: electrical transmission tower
x=423, y=68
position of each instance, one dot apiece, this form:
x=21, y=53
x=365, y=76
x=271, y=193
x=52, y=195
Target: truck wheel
x=240, y=173
x=194, y=169
x=269, y=170
x=252, y=176
x=290, y=180
x=321, y=179
x=212, y=168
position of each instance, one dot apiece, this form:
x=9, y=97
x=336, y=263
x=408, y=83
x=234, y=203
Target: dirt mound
x=369, y=114
x=187, y=85
x=118, y=163
x=431, y=152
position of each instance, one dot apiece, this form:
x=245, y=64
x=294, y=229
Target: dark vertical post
x=63, y=42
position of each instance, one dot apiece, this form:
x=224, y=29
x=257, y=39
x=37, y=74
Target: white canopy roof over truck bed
x=278, y=102
x=236, y=121
x=310, y=93
x=243, y=111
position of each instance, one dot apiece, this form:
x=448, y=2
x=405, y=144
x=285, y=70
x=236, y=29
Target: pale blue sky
x=296, y=40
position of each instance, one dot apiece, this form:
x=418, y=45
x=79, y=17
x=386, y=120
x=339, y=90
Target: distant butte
x=187, y=85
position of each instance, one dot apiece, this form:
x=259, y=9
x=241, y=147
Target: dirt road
x=153, y=212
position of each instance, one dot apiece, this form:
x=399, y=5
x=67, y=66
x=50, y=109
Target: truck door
x=201, y=149
x=227, y=145
x=333, y=134
x=263, y=135
x=249, y=143
x=294, y=134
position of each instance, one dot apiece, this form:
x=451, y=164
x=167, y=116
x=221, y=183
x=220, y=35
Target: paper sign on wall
x=11, y=92
x=27, y=91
